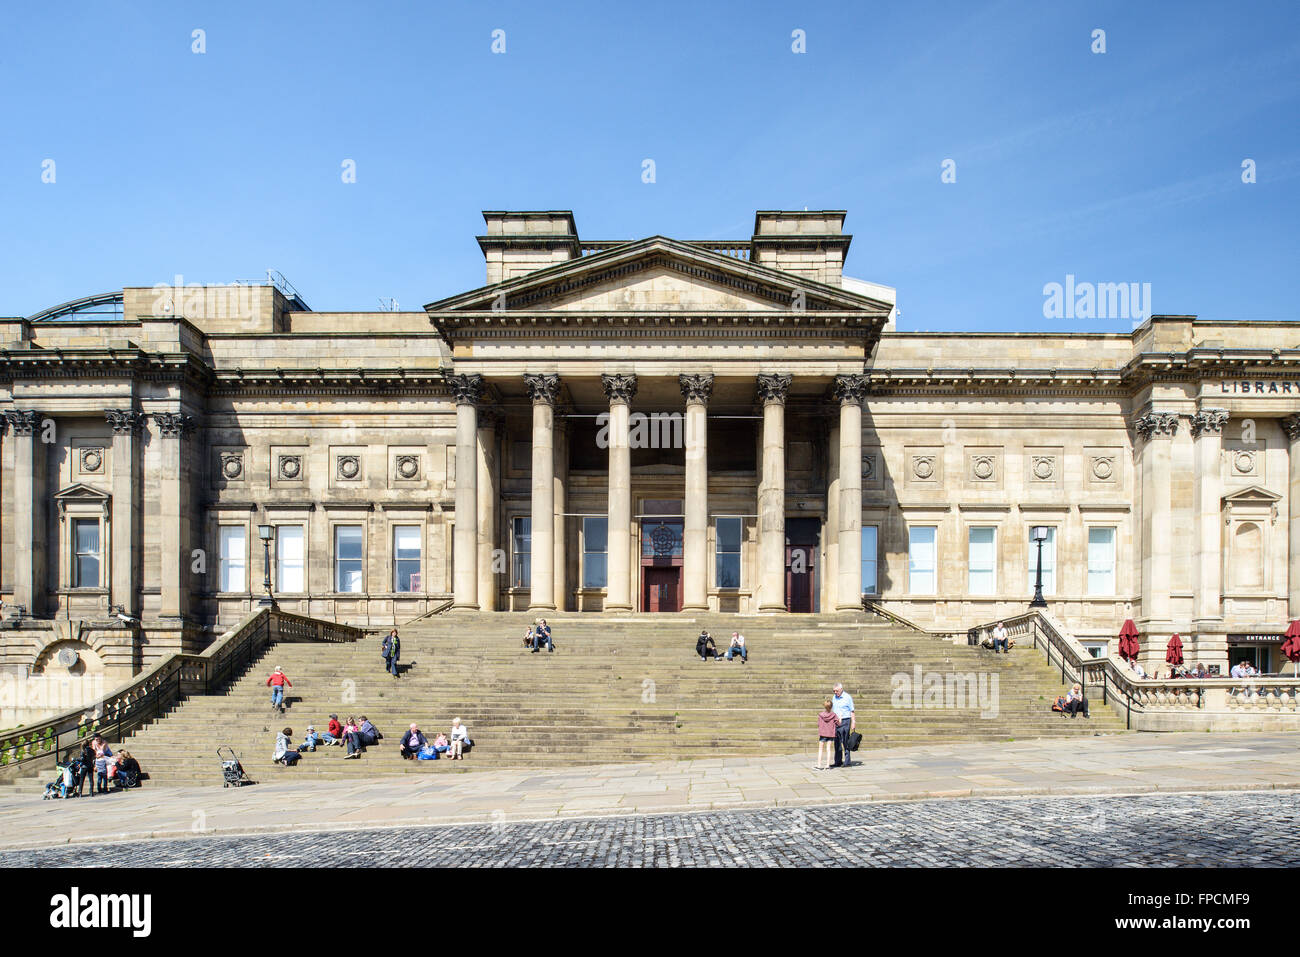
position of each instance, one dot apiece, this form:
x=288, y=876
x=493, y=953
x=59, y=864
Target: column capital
x=544, y=387
x=124, y=421
x=1209, y=421
x=850, y=389
x=773, y=386
x=173, y=423
x=619, y=387
x=1291, y=426
x=697, y=387
x=1157, y=425
x=468, y=389
x=24, y=421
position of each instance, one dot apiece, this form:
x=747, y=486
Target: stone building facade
x=633, y=427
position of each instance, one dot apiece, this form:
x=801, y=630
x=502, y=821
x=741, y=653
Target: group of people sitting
x=98, y=766
x=538, y=634
x=707, y=648
x=416, y=747
x=356, y=736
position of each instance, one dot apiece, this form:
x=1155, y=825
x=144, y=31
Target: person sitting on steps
x=459, y=740
x=1075, y=701
x=334, y=733
x=412, y=742
x=284, y=750
x=542, y=634
x=704, y=646
x=737, y=647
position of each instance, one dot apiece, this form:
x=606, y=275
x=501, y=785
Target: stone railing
x=166, y=684
x=1156, y=704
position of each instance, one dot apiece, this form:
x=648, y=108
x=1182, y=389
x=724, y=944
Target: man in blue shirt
x=842, y=705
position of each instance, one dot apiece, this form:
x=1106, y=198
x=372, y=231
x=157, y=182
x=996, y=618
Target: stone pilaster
x=29, y=519
x=850, y=390
x=175, y=514
x=560, y=483
x=489, y=584
x=1291, y=426
x=124, y=589
x=620, y=390
x=831, y=530
x=696, y=389
x=1156, y=429
x=772, y=389
x=543, y=390
x=468, y=390
x=1207, y=429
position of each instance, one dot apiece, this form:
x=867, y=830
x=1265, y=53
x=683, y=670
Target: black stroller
x=232, y=772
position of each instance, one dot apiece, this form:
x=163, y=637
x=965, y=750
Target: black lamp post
x=266, y=533
x=1039, y=535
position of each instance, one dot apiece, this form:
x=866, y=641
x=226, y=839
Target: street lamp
x=1039, y=534
x=266, y=533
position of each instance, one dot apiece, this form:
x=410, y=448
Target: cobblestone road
x=1252, y=829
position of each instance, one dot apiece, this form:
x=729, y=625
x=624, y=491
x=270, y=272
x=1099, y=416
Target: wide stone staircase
x=615, y=690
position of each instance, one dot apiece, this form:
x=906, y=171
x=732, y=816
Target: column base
x=465, y=606
x=612, y=607
x=772, y=609
x=542, y=607
x=695, y=607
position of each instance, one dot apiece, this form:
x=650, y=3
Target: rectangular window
x=727, y=552
x=921, y=559
x=232, y=545
x=1101, y=561
x=85, y=542
x=290, y=560
x=981, y=561
x=406, y=558
x=595, y=544
x=1049, y=561
x=521, y=565
x=870, y=535
x=347, y=558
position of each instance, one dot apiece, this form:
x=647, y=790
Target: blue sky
x=1123, y=166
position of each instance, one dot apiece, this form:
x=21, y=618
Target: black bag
x=855, y=739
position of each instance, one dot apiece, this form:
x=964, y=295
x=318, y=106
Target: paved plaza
x=1240, y=829
x=1055, y=773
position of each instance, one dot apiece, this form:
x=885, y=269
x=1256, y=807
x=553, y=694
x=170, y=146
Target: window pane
x=347, y=558
x=1049, y=561
x=728, y=534
x=406, y=558
x=521, y=565
x=1101, y=561
x=233, y=558
x=87, y=536
x=87, y=571
x=595, y=531
x=85, y=541
x=921, y=560
x=729, y=570
x=727, y=552
x=289, y=559
x=981, y=562
x=869, y=538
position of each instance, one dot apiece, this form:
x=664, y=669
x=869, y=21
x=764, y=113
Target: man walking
x=842, y=705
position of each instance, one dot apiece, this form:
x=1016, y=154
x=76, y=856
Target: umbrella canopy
x=1174, y=651
x=1291, y=647
x=1128, y=641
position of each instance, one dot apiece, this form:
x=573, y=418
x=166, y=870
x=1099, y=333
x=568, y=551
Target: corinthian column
x=772, y=390
x=124, y=589
x=618, y=593
x=695, y=537
x=486, y=477
x=29, y=510
x=1156, y=430
x=543, y=390
x=850, y=390
x=1207, y=428
x=1291, y=426
x=175, y=509
x=467, y=389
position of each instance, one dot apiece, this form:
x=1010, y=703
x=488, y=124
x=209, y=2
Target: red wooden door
x=662, y=591
x=800, y=578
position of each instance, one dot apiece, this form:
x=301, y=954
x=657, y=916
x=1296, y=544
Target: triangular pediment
x=81, y=493
x=662, y=275
x=1252, y=495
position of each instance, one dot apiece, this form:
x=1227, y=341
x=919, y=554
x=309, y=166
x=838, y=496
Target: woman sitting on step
x=459, y=740
x=285, y=753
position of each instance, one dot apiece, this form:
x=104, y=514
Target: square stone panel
x=984, y=466
x=1044, y=466
x=230, y=466
x=1104, y=467
x=289, y=465
x=873, y=469
x=924, y=466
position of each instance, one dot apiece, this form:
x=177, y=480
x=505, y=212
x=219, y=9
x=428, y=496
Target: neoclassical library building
x=634, y=427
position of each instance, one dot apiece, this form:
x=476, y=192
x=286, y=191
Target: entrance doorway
x=801, y=539
x=661, y=564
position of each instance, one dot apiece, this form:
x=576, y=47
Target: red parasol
x=1128, y=641
x=1174, y=651
x=1291, y=647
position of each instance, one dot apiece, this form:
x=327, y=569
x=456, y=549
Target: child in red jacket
x=828, y=723
x=276, y=682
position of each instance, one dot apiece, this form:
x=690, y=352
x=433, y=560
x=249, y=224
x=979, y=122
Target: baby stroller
x=232, y=772
x=65, y=784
